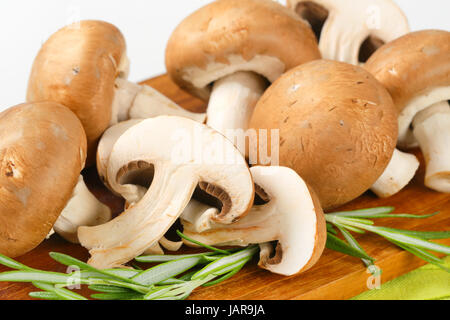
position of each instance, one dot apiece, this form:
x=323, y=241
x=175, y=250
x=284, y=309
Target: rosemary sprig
x=175, y=277
x=157, y=283
x=415, y=242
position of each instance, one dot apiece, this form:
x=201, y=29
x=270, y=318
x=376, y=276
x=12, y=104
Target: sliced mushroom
x=350, y=31
x=106, y=145
x=182, y=154
x=293, y=217
x=84, y=67
x=415, y=70
x=104, y=149
x=337, y=127
x=228, y=50
x=43, y=150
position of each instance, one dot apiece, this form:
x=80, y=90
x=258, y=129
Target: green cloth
x=427, y=283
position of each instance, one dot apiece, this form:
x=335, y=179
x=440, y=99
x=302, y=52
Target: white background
x=146, y=24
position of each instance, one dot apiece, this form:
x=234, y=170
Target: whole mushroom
x=415, y=69
x=337, y=127
x=43, y=150
x=176, y=155
x=292, y=216
x=350, y=31
x=228, y=52
x=84, y=67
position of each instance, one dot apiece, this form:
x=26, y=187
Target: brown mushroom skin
x=337, y=126
x=42, y=152
x=225, y=28
x=77, y=67
x=410, y=65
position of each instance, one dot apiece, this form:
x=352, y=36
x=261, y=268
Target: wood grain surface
x=335, y=276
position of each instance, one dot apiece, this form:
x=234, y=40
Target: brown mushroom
x=415, y=69
x=43, y=150
x=84, y=67
x=228, y=50
x=337, y=127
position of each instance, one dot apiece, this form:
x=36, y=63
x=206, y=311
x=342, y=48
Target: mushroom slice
x=293, y=217
x=183, y=154
x=350, y=31
x=415, y=70
x=104, y=149
x=83, y=209
x=85, y=67
x=228, y=51
x=106, y=144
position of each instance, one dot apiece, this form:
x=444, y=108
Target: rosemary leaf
x=364, y=213
x=336, y=244
x=71, y=261
x=44, y=295
x=202, y=244
x=166, y=258
x=224, y=262
x=13, y=264
x=352, y=241
x=166, y=270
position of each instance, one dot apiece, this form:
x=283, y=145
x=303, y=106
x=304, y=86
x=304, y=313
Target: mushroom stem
x=83, y=209
x=400, y=171
x=142, y=225
x=262, y=219
x=233, y=99
x=133, y=101
x=432, y=131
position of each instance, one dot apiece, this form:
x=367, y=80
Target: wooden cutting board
x=335, y=276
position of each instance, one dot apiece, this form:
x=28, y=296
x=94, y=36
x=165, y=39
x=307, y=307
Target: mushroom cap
x=411, y=66
x=337, y=126
x=227, y=36
x=77, y=67
x=43, y=150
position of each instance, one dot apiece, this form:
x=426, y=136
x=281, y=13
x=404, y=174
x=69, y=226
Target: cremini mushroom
x=337, y=127
x=415, y=69
x=292, y=216
x=350, y=31
x=177, y=155
x=84, y=67
x=229, y=50
x=43, y=150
